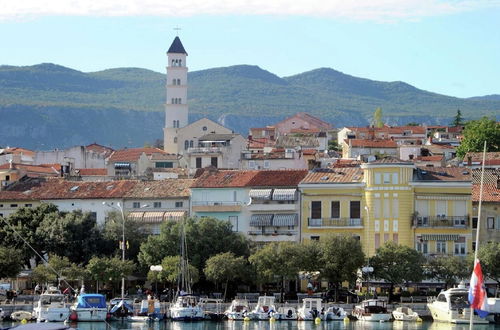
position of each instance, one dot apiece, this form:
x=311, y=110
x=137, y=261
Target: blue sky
x=450, y=47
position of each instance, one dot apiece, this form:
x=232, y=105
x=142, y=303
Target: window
x=204, y=128
x=441, y=247
x=490, y=222
x=386, y=225
x=157, y=205
x=378, y=178
x=314, y=238
x=191, y=144
x=93, y=216
x=377, y=241
x=395, y=178
x=174, y=124
x=376, y=224
x=460, y=249
x=251, y=164
x=7, y=178
x=376, y=208
x=395, y=226
x=213, y=161
x=355, y=210
x=387, y=178
x=136, y=205
x=179, y=204
x=441, y=207
x=386, y=208
x=335, y=209
x=233, y=220
x=198, y=162
x=28, y=205
x=267, y=164
x=316, y=210
x=422, y=247
x=474, y=223
x=186, y=145
x=164, y=164
x=395, y=208
x=395, y=238
x=13, y=205
x=175, y=139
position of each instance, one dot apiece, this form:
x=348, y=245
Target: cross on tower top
x=177, y=29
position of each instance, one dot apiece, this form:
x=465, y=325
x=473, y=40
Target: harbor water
x=266, y=325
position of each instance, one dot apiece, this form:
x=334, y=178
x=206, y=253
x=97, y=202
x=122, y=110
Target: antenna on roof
x=177, y=29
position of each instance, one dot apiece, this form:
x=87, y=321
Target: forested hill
x=47, y=105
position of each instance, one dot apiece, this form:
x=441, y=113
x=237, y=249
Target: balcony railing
x=215, y=203
x=441, y=221
x=330, y=222
x=204, y=150
x=272, y=232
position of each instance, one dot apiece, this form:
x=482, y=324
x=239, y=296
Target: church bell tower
x=176, y=108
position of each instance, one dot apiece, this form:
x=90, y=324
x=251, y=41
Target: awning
x=260, y=193
x=439, y=237
x=122, y=165
x=137, y=216
x=285, y=194
x=285, y=220
x=174, y=215
x=153, y=217
x=261, y=220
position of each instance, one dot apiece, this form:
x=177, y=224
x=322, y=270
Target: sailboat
x=185, y=307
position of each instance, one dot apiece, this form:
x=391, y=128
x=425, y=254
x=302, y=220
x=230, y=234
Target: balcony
x=273, y=235
x=334, y=223
x=272, y=206
x=441, y=221
x=216, y=206
x=205, y=150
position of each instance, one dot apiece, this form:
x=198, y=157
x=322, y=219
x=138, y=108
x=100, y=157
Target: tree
x=10, y=262
x=478, y=131
x=457, y=120
x=277, y=262
x=171, y=271
x=109, y=270
x=450, y=269
x=489, y=255
x=397, y=264
x=225, y=267
x=112, y=233
x=336, y=267
x=377, y=118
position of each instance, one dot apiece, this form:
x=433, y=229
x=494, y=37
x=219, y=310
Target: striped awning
x=153, y=217
x=285, y=194
x=285, y=220
x=174, y=215
x=439, y=237
x=260, y=193
x=135, y=215
x=261, y=220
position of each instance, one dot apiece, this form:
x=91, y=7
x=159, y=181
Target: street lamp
x=120, y=208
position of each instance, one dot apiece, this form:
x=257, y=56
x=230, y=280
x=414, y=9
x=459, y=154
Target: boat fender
x=272, y=319
x=24, y=321
x=73, y=316
x=317, y=320
x=346, y=319
x=246, y=319
x=419, y=319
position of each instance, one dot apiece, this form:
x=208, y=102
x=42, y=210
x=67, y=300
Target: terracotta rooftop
x=362, y=143
x=248, y=178
x=442, y=174
x=492, y=158
x=491, y=175
x=92, y=171
x=321, y=124
x=259, y=143
x=163, y=156
x=491, y=193
x=435, y=158
x=291, y=141
x=346, y=163
x=132, y=154
x=389, y=129
x=30, y=170
x=271, y=178
x=97, y=148
x=335, y=175
x=168, y=188
x=390, y=160
x=16, y=151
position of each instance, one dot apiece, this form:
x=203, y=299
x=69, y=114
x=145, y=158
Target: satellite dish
x=249, y=201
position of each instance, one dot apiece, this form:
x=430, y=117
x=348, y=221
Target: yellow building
x=390, y=200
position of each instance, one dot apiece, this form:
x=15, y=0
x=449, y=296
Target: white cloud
x=370, y=10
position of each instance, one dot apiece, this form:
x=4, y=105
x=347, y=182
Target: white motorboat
x=238, y=309
x=452, y=306
x=372, y=310
x=265, y=306
x=405, y=314
x=186, y=308
x=90, y=307
x=335, y=313
x=285, y=313
x=212, y=309
x=150, y=310
x=51, y=307
x=21, y=315
x=311, y=309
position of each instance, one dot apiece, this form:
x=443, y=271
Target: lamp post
x=120, y=208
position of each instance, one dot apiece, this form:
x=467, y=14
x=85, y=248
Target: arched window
x=180, y=102
x=178, y=124
x=191, y=144
x=174, y=123
x=186, y=145
x=173, y=100
x=173, y=62
x=178, y=82
x=180, y=62
x=175, y=139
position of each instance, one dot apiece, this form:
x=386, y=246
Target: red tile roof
x=362, y=143
x=17, y=150
x=132, y=154
x=314, y=121
x=436, y=158
x=271, y=178
x=46, y=169
x=337, y=175
x=491, y=193
x=97, y=148
x=250, y=178
x=492, y=158
x=444, y=174
x=168, y=188
x=92, y=171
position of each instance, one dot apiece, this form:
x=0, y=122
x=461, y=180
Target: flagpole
x=478, y=226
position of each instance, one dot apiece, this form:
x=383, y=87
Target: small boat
x=150, y=311
x=311, y=309
x=335, y=313
x=238, y=309
x=186, y=308
x=372, y=310
x=404, y=314
x=1, y=315
x=121, y=309
x=285, y=313
x=21, y=315
x=51, y=307
x=452, y=306
x=212, y=309
x=90, y=307
x=265, y=306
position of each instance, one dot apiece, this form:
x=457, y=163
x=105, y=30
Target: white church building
x=204, y=142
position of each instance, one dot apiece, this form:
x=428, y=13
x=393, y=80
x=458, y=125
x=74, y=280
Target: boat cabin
x=91, y=300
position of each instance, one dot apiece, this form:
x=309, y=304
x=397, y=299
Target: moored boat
x=285, y=313
x=90, y=307
x=405, y=314
x=262, y=311
x=311, y=309
x=150, y=310
x=372, y=310
x=121, y=309
x=51, y=306
x=335, y=313
x=21, y=315
x=212, y=309
x=186, y=308
x=237, y=310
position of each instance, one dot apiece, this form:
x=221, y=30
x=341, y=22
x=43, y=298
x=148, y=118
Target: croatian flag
x=477, y=292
